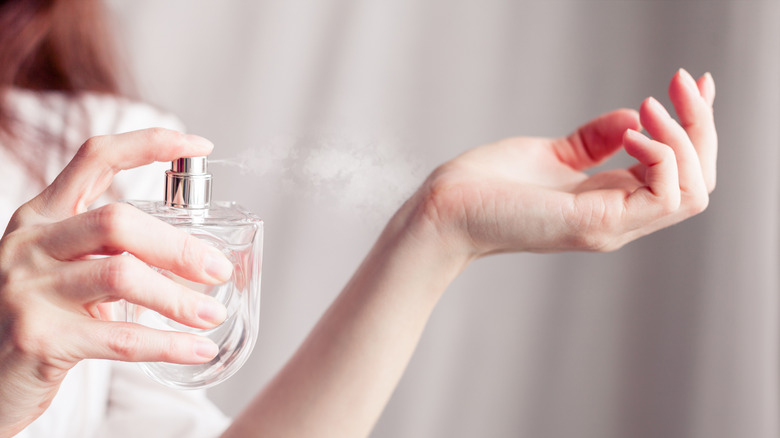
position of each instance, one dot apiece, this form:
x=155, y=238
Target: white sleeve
x=139, y=407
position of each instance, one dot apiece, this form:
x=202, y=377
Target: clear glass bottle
x=239, y=235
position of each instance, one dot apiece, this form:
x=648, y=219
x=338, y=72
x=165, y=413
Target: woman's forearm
x=341, y=377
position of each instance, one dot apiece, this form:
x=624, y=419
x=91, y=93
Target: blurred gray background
x=336, y=110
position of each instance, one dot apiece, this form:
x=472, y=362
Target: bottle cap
x=188, y=183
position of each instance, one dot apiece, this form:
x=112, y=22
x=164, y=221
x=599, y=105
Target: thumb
x=93, y=167
x=597, y=140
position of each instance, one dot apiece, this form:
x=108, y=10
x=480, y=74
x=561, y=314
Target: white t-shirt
x=97, y=398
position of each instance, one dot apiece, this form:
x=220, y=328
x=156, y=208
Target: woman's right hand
x=61, y=265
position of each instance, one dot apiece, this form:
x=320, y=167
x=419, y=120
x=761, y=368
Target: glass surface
x=239, y=235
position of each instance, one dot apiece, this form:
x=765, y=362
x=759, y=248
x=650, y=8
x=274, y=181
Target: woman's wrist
x=434, y=240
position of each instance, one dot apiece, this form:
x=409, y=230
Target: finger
x=116, y=228
x=90, y=172
x=135, y=343
x=91, y=282
x=661, y=192
x=597, y=140
x=706, y=87
x=695, y=114
x=663, y=128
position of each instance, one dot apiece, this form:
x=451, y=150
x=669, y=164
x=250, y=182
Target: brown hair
x=62, y=45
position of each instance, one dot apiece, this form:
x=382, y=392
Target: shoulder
x=107, y=114
x=71, y=118
x=51, y=126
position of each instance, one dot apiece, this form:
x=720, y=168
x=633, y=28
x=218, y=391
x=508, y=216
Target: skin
x=520, y=194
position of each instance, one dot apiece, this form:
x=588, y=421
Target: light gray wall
x=675, y=335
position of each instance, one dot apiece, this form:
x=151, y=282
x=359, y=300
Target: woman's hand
x=530, y=194
x=54, y=291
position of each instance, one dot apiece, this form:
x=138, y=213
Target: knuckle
x=593, y=227
x=604, y=243
x=124, y=342
x=94, y=146
x=23, y=215
x=670, y=204
x=190, y=254
x=52, y=372
x=173, y=348
x=180, y=307
x=10, y=249
x=591, y=241
x=18, y=269
x=28, y=336
x=698, y=203
x=12, y=284
x=112, y=222
x=117, y=273
x=20, y=244
x=161, y=135
x=172, y=305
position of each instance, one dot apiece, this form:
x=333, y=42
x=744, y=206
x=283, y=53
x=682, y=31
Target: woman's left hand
x=531, y=194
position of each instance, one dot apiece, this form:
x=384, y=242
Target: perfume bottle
x=239, y=235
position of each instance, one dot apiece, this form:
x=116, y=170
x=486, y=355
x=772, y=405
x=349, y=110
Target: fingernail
x=206, y=349
x=631, y=134
x=199, y=141
x=211, y=311
x=710, y=84
x=217, y=265
x=657, y=106
x=689, y=81
x=635, y=136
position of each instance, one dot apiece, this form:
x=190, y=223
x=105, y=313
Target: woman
x=521, y=194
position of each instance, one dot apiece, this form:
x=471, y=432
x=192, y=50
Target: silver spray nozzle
x=188, y=183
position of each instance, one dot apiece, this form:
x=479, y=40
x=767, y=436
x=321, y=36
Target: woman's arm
x=516, y=195
x=342, y=376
